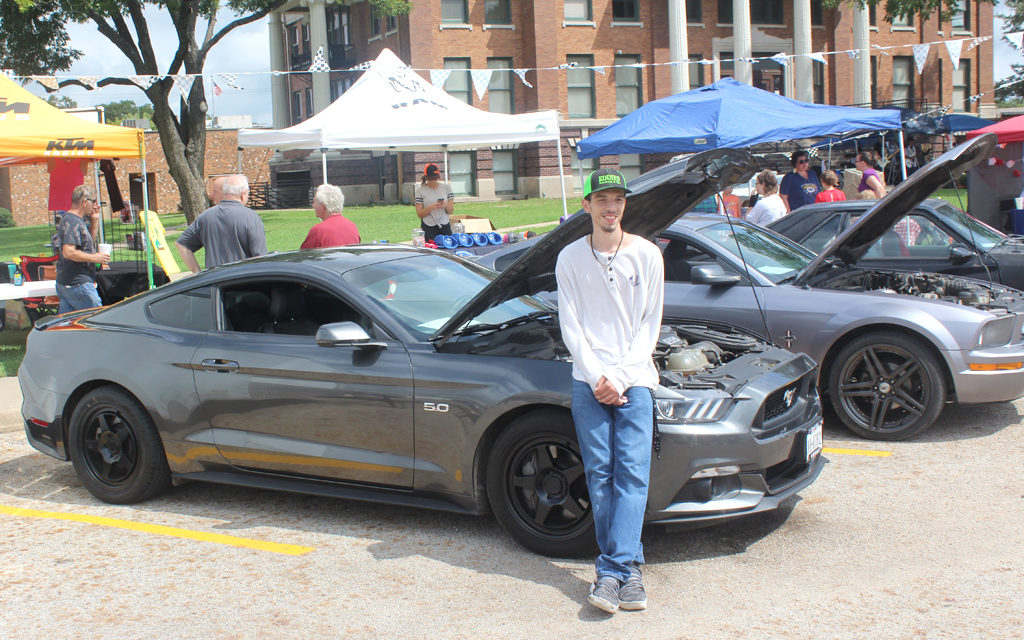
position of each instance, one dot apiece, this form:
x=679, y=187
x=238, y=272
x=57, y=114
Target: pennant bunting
x=362, y=66
x=1015, y=39
x=143, y=82
x=231, y=80
x=522, y=76
x=439, y=76
x=319, y=64
x=88, y=81
x=569, y=65
x=8, y=72
x=781, y=58
x=47, y=81
x=818, y=57
x=853, y=53
x=184, y=83
x=481, y=80
x=706, y=61
x=600, y=70
x=921, y=56
x=953, y=47
x=975, y=97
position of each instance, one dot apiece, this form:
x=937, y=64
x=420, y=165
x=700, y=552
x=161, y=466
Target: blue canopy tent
x=727, y=114
x=960, y=122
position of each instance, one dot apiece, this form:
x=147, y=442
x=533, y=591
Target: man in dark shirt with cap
x=76, y=248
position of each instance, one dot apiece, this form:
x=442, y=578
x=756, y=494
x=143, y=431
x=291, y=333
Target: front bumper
x=972, y=387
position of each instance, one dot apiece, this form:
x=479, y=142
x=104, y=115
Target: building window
x=309, y=102
x=961, y=20
x=454, y=11
x=628, y=90
x=293, y=36
x=874, y=82
x=497, y=12
x=903, y=81
x=462, y=172
x=577, y=10
x=818, y=83
x=296, y=107
x=694, y=11
x=817, y=15
x=625, y=10
x=905, y=20
x=768, y=74
x=872, y=16
x=458, y=83
x=504, y=165
x=631, y=165
x=696, y=70
x=341, y=85
x=339, y=31
x=391, y=23
x=374, y=22
x=499, y=92
x=581, y=87
x=761, y=12
x=962, y=86
x=305, y=37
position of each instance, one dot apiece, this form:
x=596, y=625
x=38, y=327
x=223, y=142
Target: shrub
x=6, y=219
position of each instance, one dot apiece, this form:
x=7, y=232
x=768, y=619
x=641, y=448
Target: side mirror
x=712, y=274
x=959, y=254
x=345, y=334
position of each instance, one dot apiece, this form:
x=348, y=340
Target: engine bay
x=965, y=291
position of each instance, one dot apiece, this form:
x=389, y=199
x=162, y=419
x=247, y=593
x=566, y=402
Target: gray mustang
x=410, y=376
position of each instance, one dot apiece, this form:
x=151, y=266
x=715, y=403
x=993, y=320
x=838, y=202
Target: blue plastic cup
x=449, y=242
x=465, y=240
x=479, y=239
x=494, y=237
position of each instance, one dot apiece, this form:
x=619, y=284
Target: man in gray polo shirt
x=229, y=231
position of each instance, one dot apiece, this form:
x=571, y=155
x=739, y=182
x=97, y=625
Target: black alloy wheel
x=115, y=449
x=537, y=486
x=887, y=386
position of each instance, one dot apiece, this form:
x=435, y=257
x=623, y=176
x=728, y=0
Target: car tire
x=537, y=487
x=115, y=448
x=887, y=385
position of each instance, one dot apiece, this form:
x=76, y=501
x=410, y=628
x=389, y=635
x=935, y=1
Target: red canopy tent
x=1009, y=130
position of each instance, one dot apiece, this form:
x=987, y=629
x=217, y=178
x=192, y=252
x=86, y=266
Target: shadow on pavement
x=956, y=422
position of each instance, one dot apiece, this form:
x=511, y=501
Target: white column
x=802, y=69
x=744, y=71
x=678, y=47
x=862, y=65
x=278, y=84
x=317, y=39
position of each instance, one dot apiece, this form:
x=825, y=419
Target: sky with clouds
x=245, y=51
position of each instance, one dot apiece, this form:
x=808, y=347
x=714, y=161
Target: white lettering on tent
x=399, y=105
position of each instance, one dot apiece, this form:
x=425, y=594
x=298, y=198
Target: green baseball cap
x=601, y=179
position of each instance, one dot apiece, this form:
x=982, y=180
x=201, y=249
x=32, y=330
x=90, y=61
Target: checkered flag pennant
x=953, y=47
x=976, y=41
x=600, y=70
x=231, y=80
x=975, y=98
x=439, y=76
x=89, y=82
x=184, y=83
x=921, y=56
x=781, y=58
x=319, y=62
x=853, y=53
x=143, y=82
x=522, y=76
x=1015, y=39
x=362, y=66
x=481, y=80
x=946, y=109
x=818, y=57
x=47, y=81
x=7, y=72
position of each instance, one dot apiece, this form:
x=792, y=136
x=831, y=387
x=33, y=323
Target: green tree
x=61, y=102
x=922, y=8
x=1011, y=90
x=117, y=112
x=123, y=22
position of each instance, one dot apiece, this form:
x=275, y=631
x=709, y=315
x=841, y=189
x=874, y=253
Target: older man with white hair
x=229, y=230
x=334, y=229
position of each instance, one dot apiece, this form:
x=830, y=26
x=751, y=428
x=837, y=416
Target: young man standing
x=76, y=246
x=610, y=291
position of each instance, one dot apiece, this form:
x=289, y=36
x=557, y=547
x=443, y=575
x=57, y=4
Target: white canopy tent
x=391, y=107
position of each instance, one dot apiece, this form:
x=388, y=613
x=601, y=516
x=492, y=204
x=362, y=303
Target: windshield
x=423, y=292
x=774, y=257
x=985, y=237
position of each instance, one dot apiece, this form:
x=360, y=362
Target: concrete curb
x=10, y=404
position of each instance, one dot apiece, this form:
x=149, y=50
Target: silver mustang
x=893, y=346
x=413, y=377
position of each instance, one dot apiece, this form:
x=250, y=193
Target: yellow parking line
x=259, y=545
x=858, y=452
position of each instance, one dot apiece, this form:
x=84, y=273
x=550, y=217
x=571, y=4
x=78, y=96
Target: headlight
x=998, y=332
x=695, y=410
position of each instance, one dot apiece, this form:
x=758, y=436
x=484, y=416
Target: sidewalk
x=10, y=404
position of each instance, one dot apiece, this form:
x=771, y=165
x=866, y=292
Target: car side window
x=823, y=235
x=680, y=257
x=913, y=236
x=286, y=307
x=187, y=310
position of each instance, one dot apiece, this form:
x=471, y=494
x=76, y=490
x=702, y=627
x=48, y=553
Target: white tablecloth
x=28, y=290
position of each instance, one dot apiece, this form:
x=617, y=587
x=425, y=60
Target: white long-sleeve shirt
x=610, y=317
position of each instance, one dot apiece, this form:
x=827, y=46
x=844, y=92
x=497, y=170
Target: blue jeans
x=78, y=296
x=616, y=446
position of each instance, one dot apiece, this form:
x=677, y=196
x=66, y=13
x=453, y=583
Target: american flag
x=217, y=90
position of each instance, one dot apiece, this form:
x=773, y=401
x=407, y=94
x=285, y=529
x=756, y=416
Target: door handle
x=216, y=364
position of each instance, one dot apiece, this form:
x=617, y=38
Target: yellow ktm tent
x=34, y=131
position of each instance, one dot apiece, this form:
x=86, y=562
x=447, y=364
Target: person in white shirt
x=769, y=207
x=610, y=293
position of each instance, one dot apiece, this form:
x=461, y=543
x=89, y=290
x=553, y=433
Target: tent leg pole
x=561, y=177
x=903, y=156
x=446, y=164
x=323, y=163
x=96, y=179
x=145, y=223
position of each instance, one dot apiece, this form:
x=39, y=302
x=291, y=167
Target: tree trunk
x=184, y=143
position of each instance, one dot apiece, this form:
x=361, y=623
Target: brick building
x=462, y=35
x=24, y=190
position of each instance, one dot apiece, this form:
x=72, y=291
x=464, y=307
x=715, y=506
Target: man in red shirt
x=335, y=230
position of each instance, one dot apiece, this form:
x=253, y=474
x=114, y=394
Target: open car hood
x=657, y=198
x=852, y=244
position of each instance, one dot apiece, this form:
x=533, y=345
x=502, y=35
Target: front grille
x=781, y=401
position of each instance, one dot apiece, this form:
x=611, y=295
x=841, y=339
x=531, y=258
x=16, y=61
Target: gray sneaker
x=632, y=596
x=603, y=594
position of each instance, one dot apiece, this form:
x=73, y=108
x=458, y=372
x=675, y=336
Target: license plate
x=814, y=444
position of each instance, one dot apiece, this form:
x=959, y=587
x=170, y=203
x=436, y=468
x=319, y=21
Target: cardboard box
x=473, y=224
